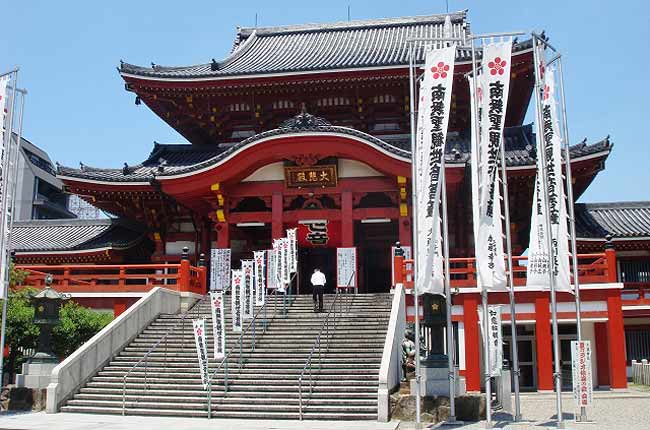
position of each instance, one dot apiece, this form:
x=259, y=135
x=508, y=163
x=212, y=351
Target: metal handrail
x=325, y=327
x=239, y=346
x=145, y=358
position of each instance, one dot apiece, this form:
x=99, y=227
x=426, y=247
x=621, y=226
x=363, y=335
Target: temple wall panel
x=355, y=169
x=176, y=248
x=270, y=172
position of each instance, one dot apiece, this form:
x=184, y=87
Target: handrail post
x=124, y=395
x=300, y=397
x=184, y=271
x=610, y=257
x=203, y=270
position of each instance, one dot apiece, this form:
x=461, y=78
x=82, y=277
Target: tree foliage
x=21, y=332
x=77, y=325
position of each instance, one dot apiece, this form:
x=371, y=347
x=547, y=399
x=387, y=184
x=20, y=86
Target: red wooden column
x=347, y=222
x=544, y=343
x=472, y=347
x=616, y=341
x=277, y=228
x=119, y=306
x=602, y=354
x=404, y=221
x=223, y=236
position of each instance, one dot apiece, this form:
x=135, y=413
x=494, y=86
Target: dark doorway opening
x=374, y=241
x=311, y=258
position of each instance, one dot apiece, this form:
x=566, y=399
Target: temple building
x=308, y=126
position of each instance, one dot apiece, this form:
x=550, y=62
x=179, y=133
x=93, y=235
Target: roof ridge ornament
x=304, y=120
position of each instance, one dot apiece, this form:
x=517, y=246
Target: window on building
x=283, y=104
x=384, y=98
x=333, y=101
x=385, y=126
x=242, y=134
x=239, y=107
x=637, y=344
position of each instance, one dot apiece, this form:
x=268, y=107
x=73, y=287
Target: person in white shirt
x=318, y=285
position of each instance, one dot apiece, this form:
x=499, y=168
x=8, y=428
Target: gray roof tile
x=318, y=47
x=622, y=220
x=73, y=235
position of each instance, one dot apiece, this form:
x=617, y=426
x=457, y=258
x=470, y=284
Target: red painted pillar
x=277, y=228
x=472, y=347
x=119, y=306
x=544, y=343
x=602, y=354
x=616, y=341
x=347, y=222
x=223, y=235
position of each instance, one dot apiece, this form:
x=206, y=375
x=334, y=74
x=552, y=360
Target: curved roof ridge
x=354, y=24
x=632, y=204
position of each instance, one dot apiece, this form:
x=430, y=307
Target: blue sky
x=77, y=108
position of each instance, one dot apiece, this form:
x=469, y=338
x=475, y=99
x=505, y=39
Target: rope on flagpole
x=415, y=233
x=541, y=153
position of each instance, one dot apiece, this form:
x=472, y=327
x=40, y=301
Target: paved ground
x=628, y=410
x=611, y=411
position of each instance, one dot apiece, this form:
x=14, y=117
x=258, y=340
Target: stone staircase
x=266, y=386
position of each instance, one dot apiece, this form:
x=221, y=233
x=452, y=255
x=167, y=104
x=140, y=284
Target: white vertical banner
x=286, y=261
x=539, y=262
x=271, y=262
x=277, y=265
x=201, y=350
x=219, y=268
x=259, y=258
x=494, y=337
x=5, y=143
x=346, y=267
x=583, y=389
x=249, y=299
x=236, y=298
x=492, y=99
x=293, y=246
x=218, y=324
x=434, y=108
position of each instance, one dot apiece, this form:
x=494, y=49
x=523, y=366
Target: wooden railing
x=118, y=278
x=636, y=293
x=592, y=269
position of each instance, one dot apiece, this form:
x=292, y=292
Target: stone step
x=290, y=383
x=342, y=390
x=218, y=391
x=307, y=414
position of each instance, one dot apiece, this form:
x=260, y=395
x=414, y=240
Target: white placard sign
x=218, y=324
x=219, y=268
x=259, y=258
x=293, y=247
x=271, y=269
x=248, y=299
x=201, y=350
x=583, y=389
x=346, y=267
x=236, y=297
x=494, y=338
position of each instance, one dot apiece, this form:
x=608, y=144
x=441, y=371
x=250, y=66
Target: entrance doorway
x=527, y=353
x=311, y=258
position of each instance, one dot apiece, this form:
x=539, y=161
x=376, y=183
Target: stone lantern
x=37, y=370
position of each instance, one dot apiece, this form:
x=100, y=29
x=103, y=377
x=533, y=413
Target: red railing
x=592, y=269
x=636, y=293
x=118, y=278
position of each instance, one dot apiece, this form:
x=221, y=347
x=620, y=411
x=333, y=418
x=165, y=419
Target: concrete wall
x=75, y=370
x=391, y=359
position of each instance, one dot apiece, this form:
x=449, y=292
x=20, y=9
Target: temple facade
x=308, y=126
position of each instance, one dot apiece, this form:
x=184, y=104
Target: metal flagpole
x=451, y=349
x=541, y=153
x=484, y=296
x=414, y=208
x=4, y=207
x=572, y=219
x=511, y=285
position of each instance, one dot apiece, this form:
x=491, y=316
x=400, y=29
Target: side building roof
x=74, y=235
x=372, y=43
x=621, y=220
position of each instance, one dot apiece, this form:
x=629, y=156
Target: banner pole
x=572, y=219
x=484, y=296
x=5, y=174
x=513, y=313
x=451, y=349
x=414, y=210
x=541, y=154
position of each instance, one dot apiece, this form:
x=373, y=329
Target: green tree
x=78, y=324
x=21, y=332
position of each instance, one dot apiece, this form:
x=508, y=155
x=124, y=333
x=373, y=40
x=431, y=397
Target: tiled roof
x=622, y=220
x=318, y=47
x=73, y=235
x=170, y=160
